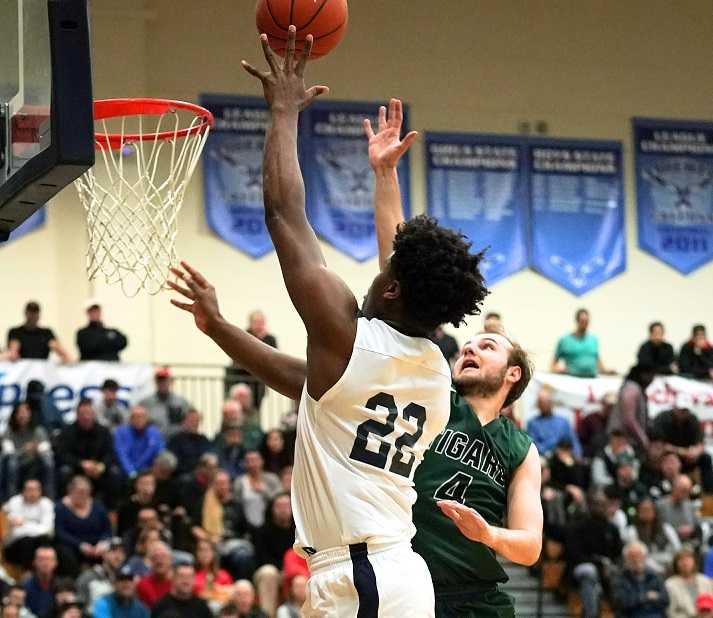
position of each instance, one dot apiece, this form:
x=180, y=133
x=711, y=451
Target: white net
x=132, y=198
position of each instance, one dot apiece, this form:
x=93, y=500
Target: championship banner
x=674, y=191
x=577, y=211
x=338, y=179
x=35, y=220
x=579, y=396
x=65, y=385
x=232, y=172
x=476, y=184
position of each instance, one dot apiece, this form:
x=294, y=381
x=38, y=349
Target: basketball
x=325, y=20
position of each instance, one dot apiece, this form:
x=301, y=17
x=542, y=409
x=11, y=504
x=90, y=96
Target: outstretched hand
x=284, y=84
x=205, y=302
x=470, y=523
x=386, y=146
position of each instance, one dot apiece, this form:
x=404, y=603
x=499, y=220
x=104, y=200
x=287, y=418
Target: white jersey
x=360, y=444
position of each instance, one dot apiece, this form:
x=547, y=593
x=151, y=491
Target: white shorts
x=351, y=582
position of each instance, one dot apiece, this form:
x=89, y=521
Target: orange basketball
x=325, y=20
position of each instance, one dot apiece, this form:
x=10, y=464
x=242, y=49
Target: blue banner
x=232, y=172
x=476, y=184
x=338, y=179
x=577, y=230
x=674, y=191
x=35, y=220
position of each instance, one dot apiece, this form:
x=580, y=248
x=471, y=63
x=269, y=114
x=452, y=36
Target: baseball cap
x=125, y=572
x=110, y=384
x=115, y=542
x=91, y=303
x=163, y=372
x=704, y=601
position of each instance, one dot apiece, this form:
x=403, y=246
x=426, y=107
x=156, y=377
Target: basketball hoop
x=132, y=200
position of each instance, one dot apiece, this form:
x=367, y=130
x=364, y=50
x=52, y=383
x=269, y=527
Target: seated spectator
x=244, y=600
x=157, y=583
x=592, y=429
x=228, y=445
x=99, y=580
x=493, y=323
x=252, y=432
x=40, y=585
x=165, y=408
x=660, y=482
x=95, y=341
x=181, y=601
x=637, y=591
x=109, y=410
x=163, y=470
x=122, y=602
x=189, y=443
x=255, y=488
x=678, y=510
x=272, y=540
x=657, y=353
x=85, y=447
x=82, y=527
x=632, y=491
x=65, y=595
x=446, y=344
x=223, y=523
x=137, y=443
x=681, y=430
x=193, y=486
x=566, y=472
x=16, y=596
x=139, y=562
x=661, y=541
x=26, y=453
x=146, y=519
x=144, y=496
x=30, y=518
x=704, y=605
x=44, y=410
x=211, y=583
x=274, y=453
x=31, y=340
x=695, y=359
x=286, y=479
x=615, y=514
x=577, y=354
x=631, y=414
x=232, y=412
x=591, y=545
x=617, y=450
x=292, y=565
x=686, y=584
x=547, y=429
x=295, y=598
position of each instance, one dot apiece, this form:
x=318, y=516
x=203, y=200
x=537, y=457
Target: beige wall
x=583, y=66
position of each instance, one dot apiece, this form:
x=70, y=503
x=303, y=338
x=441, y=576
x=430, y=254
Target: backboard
x=46, y=114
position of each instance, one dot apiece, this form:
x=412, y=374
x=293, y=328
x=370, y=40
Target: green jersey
x=473, y=465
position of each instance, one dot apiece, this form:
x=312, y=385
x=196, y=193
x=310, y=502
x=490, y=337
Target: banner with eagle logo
x=674, y=190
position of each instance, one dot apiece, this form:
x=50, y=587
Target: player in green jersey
x=480, y=473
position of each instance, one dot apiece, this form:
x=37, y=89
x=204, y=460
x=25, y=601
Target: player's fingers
x=290, y=52
x=306, y=52
x=316, y=91
x=270, y=55
x=252, y=70
x=407, y=142
x=367, y=128
x=180, y=289
x=185, y=306
x=396, y=114
x=197, y=276
x=382, y=118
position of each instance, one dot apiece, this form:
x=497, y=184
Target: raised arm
x=385, y=150
x=325, y=304
x=279, y=371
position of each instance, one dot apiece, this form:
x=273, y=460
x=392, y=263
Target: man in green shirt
x=480, y=468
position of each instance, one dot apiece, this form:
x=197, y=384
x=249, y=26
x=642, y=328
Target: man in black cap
x=110, y=412
x=122, y=602
x=99, y=580
x=97, y=342
x=32, y=341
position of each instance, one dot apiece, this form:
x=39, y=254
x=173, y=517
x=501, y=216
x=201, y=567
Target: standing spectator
x=99, y=580
x=137, y=443
x=446, y=344
x=39, y=586
x=578, y=353
x=122, y=603
x=30, y=518
x=228, y=445
x=181, y=601
x=82, y=527
x=157, y=583
x=95, y=341
x=257, y=327
x=679, y=511
x=110, y=412
x=85, y=447
x=252, y=431
x=166, y=409
x=681, y=430
x=244, y=600
x=605, y=463
x=696, y=356
x=274, y=451
x=592, y=429
x=255, y=489
x=295, y=598
x=637, y=591
x=631, y=414
x=685, y=585
x=31, y=340
x=657, y=353
x=26, y=453
x=547, y=429
x=188, y=444
x=660, y=540
x=144, y=496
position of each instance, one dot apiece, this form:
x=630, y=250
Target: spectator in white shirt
x=31, y=520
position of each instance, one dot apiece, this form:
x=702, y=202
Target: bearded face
x=482, y=366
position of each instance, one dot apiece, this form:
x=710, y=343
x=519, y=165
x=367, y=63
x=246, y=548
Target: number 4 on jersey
x=454, y=488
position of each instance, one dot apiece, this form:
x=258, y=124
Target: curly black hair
x=439, y=276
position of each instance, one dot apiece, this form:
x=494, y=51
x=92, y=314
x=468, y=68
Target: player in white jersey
x=377, y=389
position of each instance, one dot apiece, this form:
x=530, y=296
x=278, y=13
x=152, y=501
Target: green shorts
x=487, y=604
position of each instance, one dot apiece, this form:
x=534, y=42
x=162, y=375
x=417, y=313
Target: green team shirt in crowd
x=473, y=465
